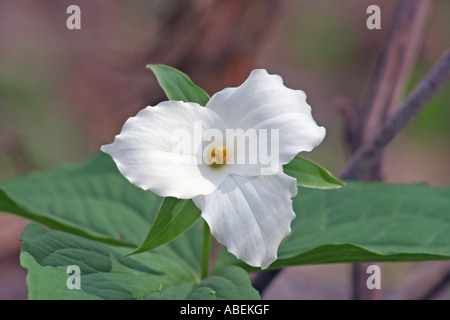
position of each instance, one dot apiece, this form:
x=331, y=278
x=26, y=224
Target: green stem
x=206, y=252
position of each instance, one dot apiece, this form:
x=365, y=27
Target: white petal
x=250, y=216
x=263, y=102
x=160, y=150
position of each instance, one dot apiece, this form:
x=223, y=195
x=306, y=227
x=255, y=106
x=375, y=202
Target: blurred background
x=63, y=93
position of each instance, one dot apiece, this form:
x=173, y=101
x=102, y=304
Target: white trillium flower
x=248, y=206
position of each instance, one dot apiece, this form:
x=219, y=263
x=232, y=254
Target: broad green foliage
x=162, y=274
x=91, y=199
x=366, y=222
x=229, y=283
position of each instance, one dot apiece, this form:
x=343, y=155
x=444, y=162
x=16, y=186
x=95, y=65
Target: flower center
x=218, y=156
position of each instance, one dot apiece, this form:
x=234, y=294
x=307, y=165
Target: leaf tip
x=129, y=254
x=339, y=183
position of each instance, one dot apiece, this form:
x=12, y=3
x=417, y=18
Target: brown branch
x=359, y=286
x=437, y=287
x=363, y=159
x=398, y=52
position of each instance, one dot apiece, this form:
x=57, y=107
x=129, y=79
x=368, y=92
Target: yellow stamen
x=218, y=157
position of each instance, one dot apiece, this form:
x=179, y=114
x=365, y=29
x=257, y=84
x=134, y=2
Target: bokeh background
x=63, y=93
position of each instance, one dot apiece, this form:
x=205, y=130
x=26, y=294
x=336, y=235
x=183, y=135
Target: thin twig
x=365, y=157
x=437, y=288
x=359, y=283
x=398, y=52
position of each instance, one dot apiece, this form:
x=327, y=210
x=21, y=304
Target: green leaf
x=177, y=85
x=174, y=217
x=365, y=222
x=230, y=283
x=91, y=199
x=311, y=175
x=164, y=273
